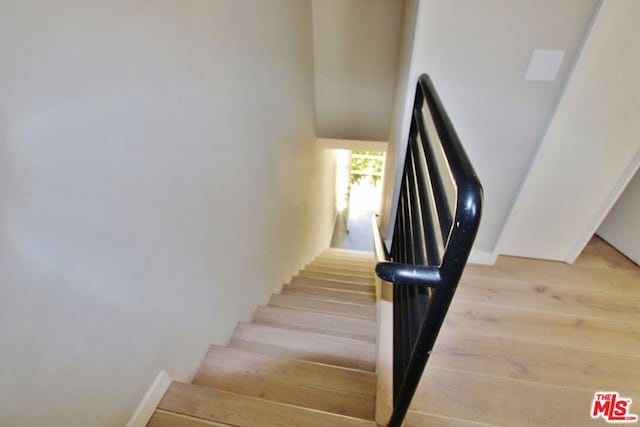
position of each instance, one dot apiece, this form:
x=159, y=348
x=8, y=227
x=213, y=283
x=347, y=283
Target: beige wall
x=592, y=146
x=159, y=178
x=402, y=102
x=476, y=52
x=355, y=55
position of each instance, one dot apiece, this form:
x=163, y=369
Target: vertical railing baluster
x=426, y=234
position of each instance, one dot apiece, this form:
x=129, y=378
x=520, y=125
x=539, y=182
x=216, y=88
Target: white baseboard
x=482, y=257
x=150, y=401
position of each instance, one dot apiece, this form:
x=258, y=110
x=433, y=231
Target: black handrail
x=430, y=244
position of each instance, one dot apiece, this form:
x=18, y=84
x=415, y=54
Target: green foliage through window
x=366, y=165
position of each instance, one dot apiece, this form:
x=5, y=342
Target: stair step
x=307, y=360
x=332, y=284
x=341, y=257
x=342, y=265
x=364, y=274
x=300, y=302
x=311, y=346
x=344, y=262
x=347, y=253
x=330, y=294
x=162, y=418
x=310, y=385
x=237, y=410
x=337, y=277
x=316, y=322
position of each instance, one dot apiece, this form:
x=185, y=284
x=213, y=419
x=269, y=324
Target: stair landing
x=306, y=359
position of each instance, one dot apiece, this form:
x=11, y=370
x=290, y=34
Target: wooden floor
x=527, y=343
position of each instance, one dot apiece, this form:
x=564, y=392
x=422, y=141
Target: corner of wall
x=150, y=401
x=482, y=257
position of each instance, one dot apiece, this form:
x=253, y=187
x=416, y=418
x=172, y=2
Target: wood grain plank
x=351, y=253
x=543, y=272
x=336, y=277
x=329, y=349
x=544, y=327
x=339, y=258
x=310, y=385
x=162, y=418
x=599, y=254
x=342, y=265
x=330, y=294
x=501, y=401
x=316, y=322
x=230, y=408
x=330, y=284
x=420, y=419
x=549, y=297
x=300, y=302
x=535, y=362
x=348, y=271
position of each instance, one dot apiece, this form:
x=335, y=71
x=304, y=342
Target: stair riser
x=331, y=284
x=336, y=277
x=299, y=302
x=289, y=381
x=353, y=360
x=316, y=322
x=339, y=262
x=341, y=271
x=332, y=350
x=355, y=268
x=330, y=294
x=244, y=411
x=346, y=258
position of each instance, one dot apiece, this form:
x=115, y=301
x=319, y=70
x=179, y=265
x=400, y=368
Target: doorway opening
x=359, y=195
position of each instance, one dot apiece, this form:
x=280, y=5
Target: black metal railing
x=436, y=222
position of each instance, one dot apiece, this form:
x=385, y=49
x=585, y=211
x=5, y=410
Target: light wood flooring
x=527, y=343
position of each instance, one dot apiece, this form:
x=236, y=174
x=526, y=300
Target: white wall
x=592, y=147
x=621, y=227
x=476, y=52
x=159, y=177
x=355, y=54
x=353, y=144
x=399, y=128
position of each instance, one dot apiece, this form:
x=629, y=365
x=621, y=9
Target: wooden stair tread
x=315, y=347
x=343, y=264
x=300, y=302
x=420, y=419
x=351, y=253
x=311, y=385
x=331, y=294
x=357, y=265
x=346, y=271
x=162, y=418
x=337, y=277
x=332, y=284
x=225, y=407
x=316, y=322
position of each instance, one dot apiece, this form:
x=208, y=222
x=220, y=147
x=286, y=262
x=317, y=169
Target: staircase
x=306, y=359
